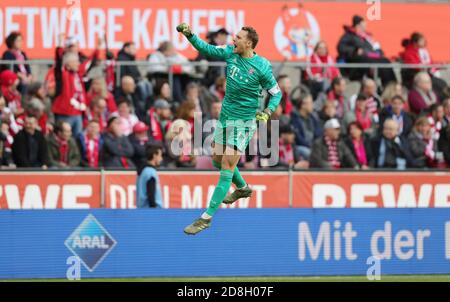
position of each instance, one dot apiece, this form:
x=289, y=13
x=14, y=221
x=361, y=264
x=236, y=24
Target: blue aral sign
x=91, y=242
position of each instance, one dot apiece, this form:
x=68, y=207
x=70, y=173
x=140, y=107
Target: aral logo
x=90, y=242
x=296, y=33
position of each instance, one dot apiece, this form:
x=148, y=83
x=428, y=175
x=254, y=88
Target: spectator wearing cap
x=391, y=150
x=358, y=46
x=90, y=144
x=329, y=151
x=335, y=95
x=160, y=119
x=320, y=77
x=126, y=117
x=359, y=145
x=8, y=86
x=216, y=38
x=362, y=114
x=422, y=96
x=117, y=150
x=306, y=126
x=128, y=92
x=148, y=188
x=287, y=155
x=139, y=139
x=29, y=149
x=128, y=54
x=70, y=95
x=62, y=149
x=395, y=110
x=14, y=43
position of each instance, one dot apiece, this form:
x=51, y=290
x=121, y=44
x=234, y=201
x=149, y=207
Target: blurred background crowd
x=101, y=110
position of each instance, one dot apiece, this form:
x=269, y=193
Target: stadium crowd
x=74, y=120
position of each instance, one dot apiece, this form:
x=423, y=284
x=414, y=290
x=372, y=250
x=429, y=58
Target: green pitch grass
x=403, y=278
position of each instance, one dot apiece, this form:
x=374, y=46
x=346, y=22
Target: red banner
x=41, y=190
x=371, y=190
x=293, y=30
x=193, y=190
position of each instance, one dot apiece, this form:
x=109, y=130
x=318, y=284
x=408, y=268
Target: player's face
x=241, y=43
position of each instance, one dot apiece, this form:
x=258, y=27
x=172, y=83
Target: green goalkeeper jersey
x=246, y=78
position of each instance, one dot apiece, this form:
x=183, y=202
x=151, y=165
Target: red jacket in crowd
x=70, y=91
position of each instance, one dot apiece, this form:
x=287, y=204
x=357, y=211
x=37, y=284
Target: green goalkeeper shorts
x=234, y=133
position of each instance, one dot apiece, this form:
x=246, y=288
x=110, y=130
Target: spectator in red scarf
x=9, y=82
x=139, y=139
x=362, y=115
x=369, y=89
x=70, y=96
x=436, y=120
x=358, y=46
x=329, y=151
x=37, y=109
x=336, y=96
x=14, y=42
x=284, y=82
x=359, y=145
x=422, y=96
x=98, y=88
x=321, y=77
x=117, y=151
x=160, y=117
x=8, y=118
x=62, y=149
x=423, y=147
x=5, y=146
x=90, y=145
x=97, y=111
x=30, y=147
x=416, y=52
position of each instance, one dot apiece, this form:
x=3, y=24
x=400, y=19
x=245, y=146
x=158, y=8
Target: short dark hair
x=152, y=149
x=281, y=77
x=252, y=35
x=357, y=125
x=398, y=97
x=11, y=38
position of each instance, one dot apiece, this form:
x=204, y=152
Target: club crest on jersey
x=251, y=71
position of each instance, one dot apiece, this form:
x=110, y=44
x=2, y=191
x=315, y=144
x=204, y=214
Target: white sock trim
x=206, y=216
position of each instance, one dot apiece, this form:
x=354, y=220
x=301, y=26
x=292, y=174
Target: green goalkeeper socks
x=220, y=191
x=237, y=177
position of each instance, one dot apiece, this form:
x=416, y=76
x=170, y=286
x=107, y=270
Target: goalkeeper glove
x=263, y=116
x=184, y=29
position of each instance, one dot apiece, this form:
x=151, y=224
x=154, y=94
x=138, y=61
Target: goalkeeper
x=247, y=74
